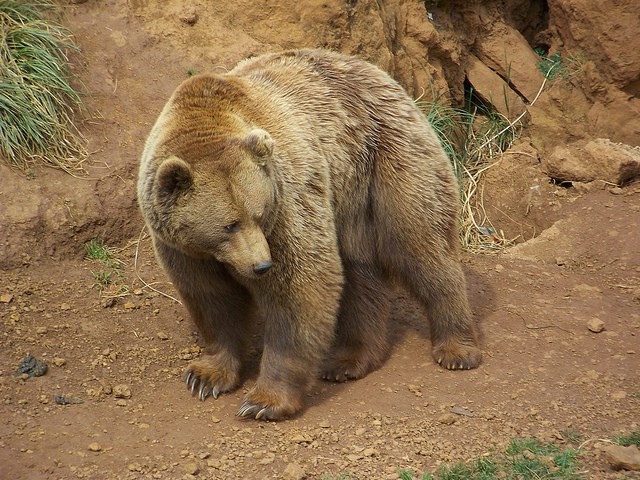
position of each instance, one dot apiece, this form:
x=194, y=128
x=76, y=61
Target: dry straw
x=475, y=139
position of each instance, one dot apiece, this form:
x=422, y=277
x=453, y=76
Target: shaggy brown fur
x=291, y=188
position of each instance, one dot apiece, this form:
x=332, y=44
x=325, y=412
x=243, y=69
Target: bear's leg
x=453, y=334
x=438, y=282
x=361, y=342
x=219, y=308
x=299, y=319
x=220, y=319
x=416, y=217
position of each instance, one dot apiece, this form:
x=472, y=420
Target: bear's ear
x=173, y=176
x=260, y=143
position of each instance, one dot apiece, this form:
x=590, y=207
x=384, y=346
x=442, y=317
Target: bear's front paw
x=208, y=376
x=269, y=404
x=457, y=356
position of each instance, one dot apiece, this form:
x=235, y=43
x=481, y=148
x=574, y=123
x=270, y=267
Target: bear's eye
x=232, y=227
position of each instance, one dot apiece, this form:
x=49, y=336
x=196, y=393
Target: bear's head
x=217, y=201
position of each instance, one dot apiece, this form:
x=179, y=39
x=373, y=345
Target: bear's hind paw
x=342, y=372
x=344, y=365
x=457, y=356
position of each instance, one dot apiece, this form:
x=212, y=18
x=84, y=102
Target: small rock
x=191, y=468
x=189, y=16
x=499, y=268
x=294, y=472
x=298, y=439
x=162, y=336
x=95, y=447
x=6, y=298
x=65, y=307
x=42, y=330
x=619, y=457
x=619, y=395
x=595, y=325
x=121, y=403
x=109, y=302
x=129, y=305
x=121, y=391
x=62, y=400
x=583, y=187
x=138, y=291
x=215, y=419
x=561, y=262
x=461, y=411
x=616, y=191
x=415, y=390
x=59, y=362
x=370, y=452
x=447, y=419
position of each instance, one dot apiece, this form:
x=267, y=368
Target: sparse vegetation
x=110, y=273
x=37, y=99
x=572, y=435
x=632, y=438
x=523, y=459
x=473, y=138
x=556, y=66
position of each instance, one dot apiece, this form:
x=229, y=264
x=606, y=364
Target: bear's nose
x=262, y=267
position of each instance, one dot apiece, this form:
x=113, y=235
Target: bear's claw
x=200, y=388
x=248, y=410
x=251, y=410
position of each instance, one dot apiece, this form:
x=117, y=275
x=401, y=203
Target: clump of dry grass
x=474, y=140
x=37, y=100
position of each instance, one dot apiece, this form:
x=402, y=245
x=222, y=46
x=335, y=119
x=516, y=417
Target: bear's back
x=349, y=109
x=319, y=80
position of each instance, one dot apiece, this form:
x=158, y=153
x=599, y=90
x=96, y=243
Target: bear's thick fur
x=291, y=188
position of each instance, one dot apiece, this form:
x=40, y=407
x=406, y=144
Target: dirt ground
x=544, y=372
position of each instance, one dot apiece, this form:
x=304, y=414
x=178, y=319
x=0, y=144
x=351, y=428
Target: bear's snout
x=263, y=267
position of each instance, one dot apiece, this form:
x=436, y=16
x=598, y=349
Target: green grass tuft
x=97, y=250
x=626, y=440
x=37, y=100
x=111, y=272
x=556, y=66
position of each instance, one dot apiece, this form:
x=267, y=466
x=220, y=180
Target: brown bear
x=290, y=189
